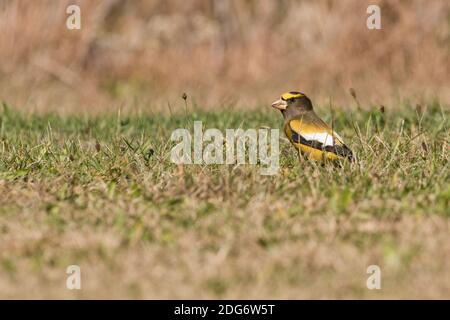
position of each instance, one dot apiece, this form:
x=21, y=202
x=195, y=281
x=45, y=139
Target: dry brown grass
x=73, y=191
x=148, y=52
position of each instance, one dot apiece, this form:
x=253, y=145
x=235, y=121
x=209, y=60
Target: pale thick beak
x=280, y=104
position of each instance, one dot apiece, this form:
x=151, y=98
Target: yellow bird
x=307, y=132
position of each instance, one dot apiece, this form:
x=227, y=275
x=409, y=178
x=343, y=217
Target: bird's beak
x=280, y=104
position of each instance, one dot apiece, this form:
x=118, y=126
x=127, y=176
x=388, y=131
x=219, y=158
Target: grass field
x=100, y=192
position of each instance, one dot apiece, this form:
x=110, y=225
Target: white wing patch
x=323, y=137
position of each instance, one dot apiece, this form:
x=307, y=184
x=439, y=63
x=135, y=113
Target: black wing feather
x=342, y=151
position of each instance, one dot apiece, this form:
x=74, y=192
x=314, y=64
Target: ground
x=100, y=192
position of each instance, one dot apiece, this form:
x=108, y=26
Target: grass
x=101, y=192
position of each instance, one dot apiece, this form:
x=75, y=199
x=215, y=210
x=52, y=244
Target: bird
x=309, y=134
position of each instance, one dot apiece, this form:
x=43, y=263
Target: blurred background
x=145, y=54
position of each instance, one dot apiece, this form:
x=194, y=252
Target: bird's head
x=292, y=102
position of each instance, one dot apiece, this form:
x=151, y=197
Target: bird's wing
x=315, y=133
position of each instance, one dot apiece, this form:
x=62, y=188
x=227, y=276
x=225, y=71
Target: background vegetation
x=245, y=52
